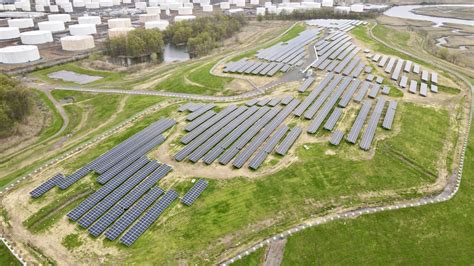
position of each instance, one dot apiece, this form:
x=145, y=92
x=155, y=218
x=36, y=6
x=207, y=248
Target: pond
x=173, y=53
x=70, y=76
x=405, y=12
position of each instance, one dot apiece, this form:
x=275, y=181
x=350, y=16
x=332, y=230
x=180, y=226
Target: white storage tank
x=78, y=3
x=36, y=37
x=185, y=11
x=357, y=8
x=52, y=26
x=53, y=9
x=19, y=54
x=116, y=2
x=342, y=9
x=106, y=3
x=77, y=43
x=7, y=33
x=327, y=3
x=115, y=32
x=67, y=8
x=175, y=6
x=148, y=17
x=89, y=20
x=159, y=24
x=239, y=3
x=268, y=4
x=260, y=11
x=127, y=1
x=153, y=3
x=93, y=5
x=59, y=17
x=21, y=23
x=272, y=9
x=207, y=8
x=254, y=2
x=119, y=23
x=153, y=10
x=224, y=5
x=9, y=7
x=39, y=8
x=183, y=18
x=140, y=5
x=82, y=29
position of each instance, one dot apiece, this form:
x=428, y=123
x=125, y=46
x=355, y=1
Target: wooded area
x=15, y=104
x=138, y=42
x=322, y=13
x=204, y=34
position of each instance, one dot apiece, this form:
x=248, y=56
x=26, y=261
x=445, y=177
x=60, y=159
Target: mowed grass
x=194, y=79
x=239, y=210
x=6, y=257
x=292, y=33
x=107, y=76
x=437, y=234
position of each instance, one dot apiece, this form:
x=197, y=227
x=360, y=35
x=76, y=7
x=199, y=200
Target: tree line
x=205, y=33
x=15, y=104
x=319, y=13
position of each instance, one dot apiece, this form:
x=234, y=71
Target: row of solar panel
x=245, y=66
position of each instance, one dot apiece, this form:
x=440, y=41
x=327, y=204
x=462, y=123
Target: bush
x=15, y=104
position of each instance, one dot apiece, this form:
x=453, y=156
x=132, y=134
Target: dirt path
x=274, y=254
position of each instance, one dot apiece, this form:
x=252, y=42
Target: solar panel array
x=47, y=186
x=148, y=218
x=306, y=84
x=336, y=137
x=190, y=197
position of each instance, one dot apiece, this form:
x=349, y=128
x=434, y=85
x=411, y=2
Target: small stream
x=173, y=53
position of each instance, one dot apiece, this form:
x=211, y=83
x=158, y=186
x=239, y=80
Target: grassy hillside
x=439, y=234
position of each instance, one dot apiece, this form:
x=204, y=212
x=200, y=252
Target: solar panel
x=199, y=112
x=336, y=137
x=190, y=197
x=369, y=133
x=133, y=213
x=198, y=121
x=359, y=122
x=289, y=141
x=106, y=220
x=148, y=218
x=71, y=179
x=389, y=115
x=46, y=186
x=413, y=86
x=331, y=122
x=434, y=88
x=306, y=84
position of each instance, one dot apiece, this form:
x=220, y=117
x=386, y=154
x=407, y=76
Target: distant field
x=438, y=234
x=447, y=12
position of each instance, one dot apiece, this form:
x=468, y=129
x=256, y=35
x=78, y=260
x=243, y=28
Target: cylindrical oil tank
x=153, y=10
x=185, y=11
x=36, y=37
x=78, y=3
x=77, y=43
x=140, y=5
x=159, y=24
x=21, y=23
x=148, y=17
x=93, y=5
x=182, y=18
x=207, y=8
x=89, y=20
x=115, y=32
x=7, y=33
x=357, y=8
x=82, y=29
x=119, y=23
x=19, y=54
x=106, y=3
x=224, y=5
x=59, y=17
x=52, y=26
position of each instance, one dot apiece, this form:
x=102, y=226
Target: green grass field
x=195, y=79
x=6, y=257
x=107, y=76
x=438, y=234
